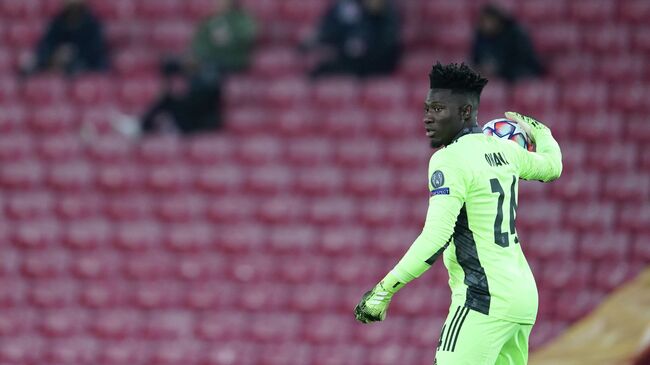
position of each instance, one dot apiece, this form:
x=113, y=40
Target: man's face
x=443, y=116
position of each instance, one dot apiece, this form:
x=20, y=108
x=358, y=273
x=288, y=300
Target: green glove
x=528, y=124
x=374, y=303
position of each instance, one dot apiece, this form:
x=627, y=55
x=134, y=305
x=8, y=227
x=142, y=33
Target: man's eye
x=437, y=109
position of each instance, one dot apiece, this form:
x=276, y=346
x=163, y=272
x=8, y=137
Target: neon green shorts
x=472, y=338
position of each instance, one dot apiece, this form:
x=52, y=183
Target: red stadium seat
x=78, y=205
x=614, y=157
x=73, y=176
x=28, y=206
x=242, y=237
x=23, y=33
x=590, y=217
x=53, y=119
x=172, y=178
x=259, y=297
x=137, y=236
x=383, y=212
x=620, y=68
x=384, y=94
x=546, y=245
x=110, y=149
x=585, y=96
x=232, y=208
x=208, y=297
x=128, y=207
x=270, y=179
x=43, y=265
x=640, y=248
x=304, y=271
x=281, y=210
x=320, y=181
x=209, y=149
x=133, y=61
x=536, y=96
x=578, y=186
x=393, y=242
x=13, y=118
x=345, y=123
x=193, y=237
x=634, y=11
x=328, y=329
x=408, y=153
x=92, y=90
x=540, y=11
x=21, y=176
x=119, y=178
x=629, y=187
x=635, y=217
x=198, y=267
x=260, y=150
x=288, y=93
x=178, y=208
x=51, y=294
x=332, y=212
x=309, y=151
x=115, y=324
x=158, y=10
x=148, y=269
x=171, y=36
x=607, y=246
x=298, y=122
x=577, y=66
x=60, y=148
x=292, y=239
x=597, y=128
x=556, y=37
x=542, y=216
x=136, y=94
x=97, y=266
x=161, y=150
x=598, y=12
x=370, y=182
x=631, y=97
x=220, y=179
x=336, y=92
x=607, y=38
x=358, y=153
x=274, y=62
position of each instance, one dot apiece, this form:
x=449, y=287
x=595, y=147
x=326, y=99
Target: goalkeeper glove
x=528, y=124
x=374, y=303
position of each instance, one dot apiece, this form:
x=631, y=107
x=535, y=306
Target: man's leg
x=515, y=350
x=472, y=338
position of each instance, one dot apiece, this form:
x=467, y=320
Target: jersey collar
x=465, y=131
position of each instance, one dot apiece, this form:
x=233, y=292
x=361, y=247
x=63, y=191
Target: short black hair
x=458, y=78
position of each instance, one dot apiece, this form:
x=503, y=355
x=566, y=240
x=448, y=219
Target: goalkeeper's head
x=452, y=102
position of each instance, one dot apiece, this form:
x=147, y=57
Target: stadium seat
x=192, y=237
x=383, y=94
x=119, y=178
x=137, y=235
x=270, y=179
x=614, y=157
x=292, y=239
x=370, y=182
x=260, y=150
x=53, y=119
x=331, y=211
x=604, y=246
x=556, y=37
x=582, y=97
x=170, y=178
x=347, y=122
x=628, y=187
x=23, y=33
x=207, y=149
x=630, y=98
x=535, y=96
x=635, y=11
x=305, y=271
x=177, y=208
x=597, y=128
x=274, y=62
x=336, y=92
x=634, y=217
x=242, y=237
x=28, y=206
x=356, y=153
x=578, y=186
x=309, y=152
x=607, y=38
x=47, y=264
x=74, y=206
x=96, y=267
x=540, y=11
x=220, y=179
x=600, y=11
x=21, y=176
x=281, y=210
x=232, y=208
x=69, y=177
x=287, y=93
x=110, y=149
x=541, y=216
x=147, y=269
x=593, y=216
x=170, y=36
x=36, y=234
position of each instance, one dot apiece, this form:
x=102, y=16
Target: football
x=508, y=129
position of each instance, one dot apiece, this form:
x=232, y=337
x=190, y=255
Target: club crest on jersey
x=437, y=179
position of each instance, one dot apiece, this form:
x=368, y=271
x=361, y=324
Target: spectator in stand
x=74, y=42
x=224, y=40
x=502, y=48
x=358, y=37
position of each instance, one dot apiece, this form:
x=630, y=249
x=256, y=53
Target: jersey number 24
x=502, y=238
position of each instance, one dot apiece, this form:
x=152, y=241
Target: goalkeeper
x=473, y=184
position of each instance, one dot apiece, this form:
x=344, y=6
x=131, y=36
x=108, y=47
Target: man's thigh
x=472, y=338
x=515, y=350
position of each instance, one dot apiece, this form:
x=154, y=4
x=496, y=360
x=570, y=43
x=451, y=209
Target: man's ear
x=466, y=112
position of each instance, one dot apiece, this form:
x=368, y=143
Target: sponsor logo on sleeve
x=440, y=191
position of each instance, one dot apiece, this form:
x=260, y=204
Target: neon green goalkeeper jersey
x=471, y=218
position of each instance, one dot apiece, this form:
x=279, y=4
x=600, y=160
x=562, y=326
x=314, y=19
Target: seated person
x=357, y=37
x=502, y=48
x=74, y=42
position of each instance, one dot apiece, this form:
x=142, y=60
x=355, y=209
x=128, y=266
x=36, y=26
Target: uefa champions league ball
x=508, y=129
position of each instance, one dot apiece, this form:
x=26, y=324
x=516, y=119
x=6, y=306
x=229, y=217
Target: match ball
x=508, y=129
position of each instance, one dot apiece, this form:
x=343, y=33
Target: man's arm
x=447, y=186
x=546, y=163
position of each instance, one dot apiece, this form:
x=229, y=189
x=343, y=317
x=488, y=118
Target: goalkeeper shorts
x=472, y=338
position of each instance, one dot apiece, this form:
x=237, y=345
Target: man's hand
x=374, y=303
x=526, y=123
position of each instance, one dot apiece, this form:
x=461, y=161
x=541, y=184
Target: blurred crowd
x=360, y=38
